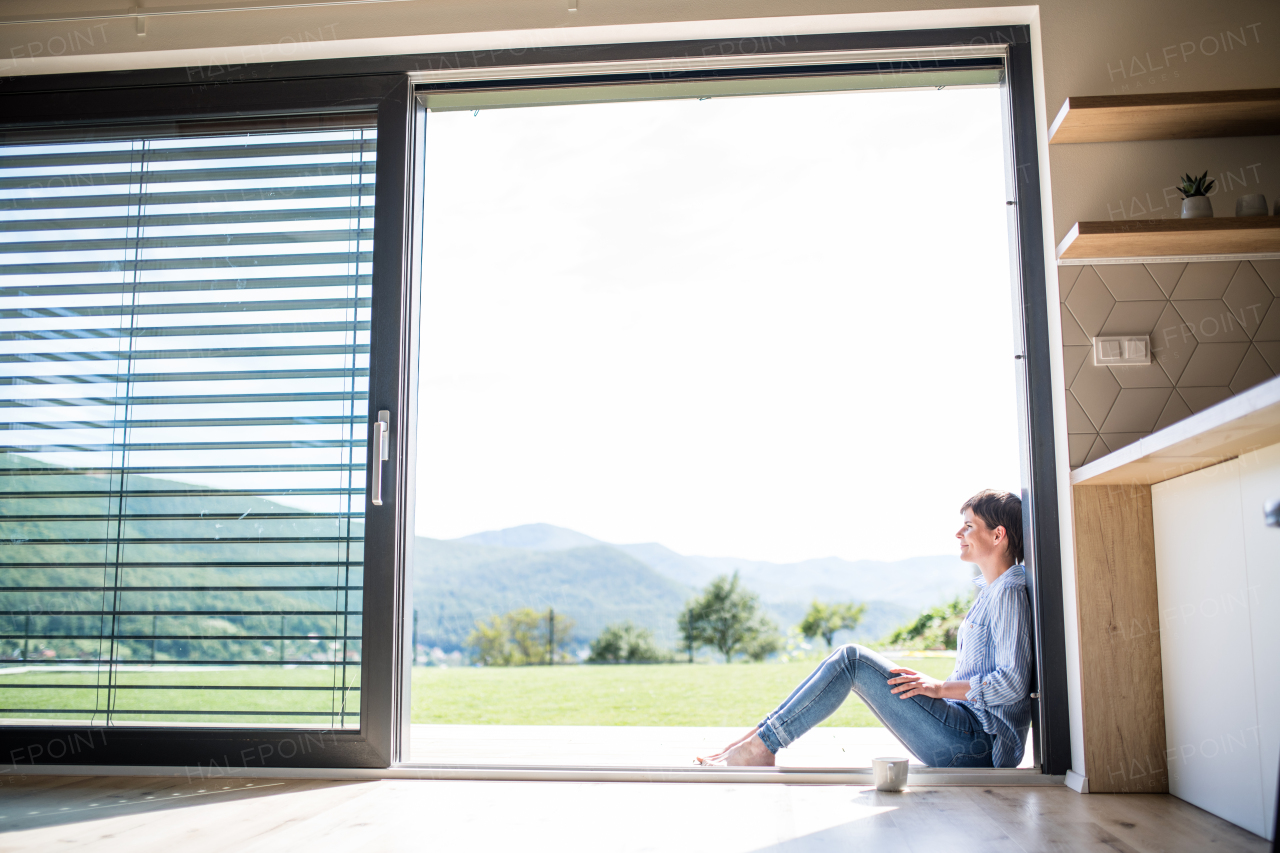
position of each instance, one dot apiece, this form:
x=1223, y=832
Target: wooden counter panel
x=1122, y=689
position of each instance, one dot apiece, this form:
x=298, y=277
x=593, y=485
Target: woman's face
x=977, y=541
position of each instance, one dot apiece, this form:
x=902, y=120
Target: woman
x=979, y=716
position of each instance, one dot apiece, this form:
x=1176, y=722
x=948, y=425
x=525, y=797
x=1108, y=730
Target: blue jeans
x=939, y=732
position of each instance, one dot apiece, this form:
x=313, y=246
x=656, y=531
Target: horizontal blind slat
x=223, y=263
x=299, y=305
x=194, y=286
x=337, y=193
x=179, y=155
x=349, y=210
x=144, y=243
x=156, y=181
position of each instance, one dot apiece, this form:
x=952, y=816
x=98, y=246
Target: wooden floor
x=137, y=815
x=639, y=746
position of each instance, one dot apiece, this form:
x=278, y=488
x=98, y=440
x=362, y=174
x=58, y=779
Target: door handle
x=381, y=453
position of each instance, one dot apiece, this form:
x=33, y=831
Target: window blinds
x=184, y=351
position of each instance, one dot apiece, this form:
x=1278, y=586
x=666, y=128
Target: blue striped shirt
x=994, y=656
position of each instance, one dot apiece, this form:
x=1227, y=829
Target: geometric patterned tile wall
x=1215, y=331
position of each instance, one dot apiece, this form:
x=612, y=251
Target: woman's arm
x=912, y=683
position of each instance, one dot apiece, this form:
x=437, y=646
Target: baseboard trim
x=1077, y=783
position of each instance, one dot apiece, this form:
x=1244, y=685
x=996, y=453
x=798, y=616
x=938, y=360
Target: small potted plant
x=1195, y=197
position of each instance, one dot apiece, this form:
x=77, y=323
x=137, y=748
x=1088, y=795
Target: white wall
x=1218, y=579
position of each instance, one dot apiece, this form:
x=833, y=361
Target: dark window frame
x=384, y=83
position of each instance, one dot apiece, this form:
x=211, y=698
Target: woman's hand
x=911, y=683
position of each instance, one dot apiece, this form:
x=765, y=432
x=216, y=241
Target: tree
x=556, y=632
x=523, y=636
x=688, y=625
x=518, y=638
x=490, y=644
x=935, y=628
x=823, y=620
x=624, y=643
x=763, y=641
x=728, y=618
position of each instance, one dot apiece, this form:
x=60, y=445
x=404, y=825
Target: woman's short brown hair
x=1000, y=509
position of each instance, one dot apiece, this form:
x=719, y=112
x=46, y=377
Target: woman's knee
x=865, y=667
x=852, y=657
x=852, y=651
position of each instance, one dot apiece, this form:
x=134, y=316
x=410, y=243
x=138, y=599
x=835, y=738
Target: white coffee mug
x=890, y=773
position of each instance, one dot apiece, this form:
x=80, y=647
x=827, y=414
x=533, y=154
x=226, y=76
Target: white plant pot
x=1197, y=207
x=1251, y=205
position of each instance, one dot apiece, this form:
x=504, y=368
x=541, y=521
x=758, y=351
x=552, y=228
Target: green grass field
x=738, y=694
x=42, y=695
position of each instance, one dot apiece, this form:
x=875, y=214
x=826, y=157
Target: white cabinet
x=1218, y=585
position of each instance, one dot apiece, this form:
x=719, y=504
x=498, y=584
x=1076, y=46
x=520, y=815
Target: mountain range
x=458, y=581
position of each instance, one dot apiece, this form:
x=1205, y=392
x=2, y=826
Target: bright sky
x=775, y=327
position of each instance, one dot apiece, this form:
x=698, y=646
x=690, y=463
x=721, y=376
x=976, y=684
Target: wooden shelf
x=1239, y=424
x=1184, y=115
x=1173, y=238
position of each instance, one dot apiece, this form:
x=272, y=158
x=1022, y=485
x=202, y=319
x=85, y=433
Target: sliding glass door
x=186, y=318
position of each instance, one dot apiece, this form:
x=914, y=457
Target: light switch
x=1121, y=350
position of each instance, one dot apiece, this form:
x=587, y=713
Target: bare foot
x=719, y=756
x=749, y=753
